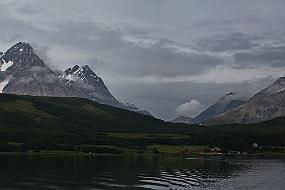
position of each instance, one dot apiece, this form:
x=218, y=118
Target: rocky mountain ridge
x=268, y=104
x=22, y=72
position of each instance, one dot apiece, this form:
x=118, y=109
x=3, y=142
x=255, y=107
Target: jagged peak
x=21, y=46
x=86, y=70
x=23, y=56
x=76, y=67
x=73, y=70
x=86, y=67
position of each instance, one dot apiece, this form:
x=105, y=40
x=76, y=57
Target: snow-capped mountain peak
x=23, y=72
x=21, y=57
x=73, y=70
x=84, y=74
x=18, y=51
x=21, y=47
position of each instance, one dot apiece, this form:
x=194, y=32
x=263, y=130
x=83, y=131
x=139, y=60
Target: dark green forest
x=76, y=124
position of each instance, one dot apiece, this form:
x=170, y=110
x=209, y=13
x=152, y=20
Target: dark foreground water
x=141, y=172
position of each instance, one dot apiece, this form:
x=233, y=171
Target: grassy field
x=166, y=149
x=147, y=136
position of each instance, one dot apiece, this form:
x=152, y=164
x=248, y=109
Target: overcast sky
x=171, y=57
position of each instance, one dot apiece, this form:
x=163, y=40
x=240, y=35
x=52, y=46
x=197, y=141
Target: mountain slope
x=226, y=103
x=183, y=119
x=265, y=105
x=132, y=107
x=22, y=72
x=70, y=113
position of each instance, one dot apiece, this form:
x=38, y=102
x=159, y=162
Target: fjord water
x=138, y=172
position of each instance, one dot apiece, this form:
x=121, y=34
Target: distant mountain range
x=22, y=72
x=265, y=105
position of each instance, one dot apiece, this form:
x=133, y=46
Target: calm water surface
x=139, y=172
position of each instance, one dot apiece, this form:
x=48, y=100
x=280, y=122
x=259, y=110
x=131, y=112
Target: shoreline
x=194, y=155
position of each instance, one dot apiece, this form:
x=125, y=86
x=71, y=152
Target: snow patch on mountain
x=3, y=85
x=6, y=65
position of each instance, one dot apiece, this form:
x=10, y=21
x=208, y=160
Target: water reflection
x=116, y=172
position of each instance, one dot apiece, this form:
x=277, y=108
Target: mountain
x=64, y=112
x=183, y=119
x=88, y=85
x=22, y=72
x=226, y=103
x=265, y=105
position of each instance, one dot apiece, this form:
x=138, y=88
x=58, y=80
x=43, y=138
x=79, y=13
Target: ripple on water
x=157, y=173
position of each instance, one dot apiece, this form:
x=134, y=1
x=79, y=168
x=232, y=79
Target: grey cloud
x=234, y=41
x=14, y=37
x=128, y=58
x=159, y=61
x=274, y=57
x=48, y=79
x=86, y=35
x=38, y=69
x=191, y=108
x=28, y=9
x=247, y=50
x=42, y=52
x=95, y=62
